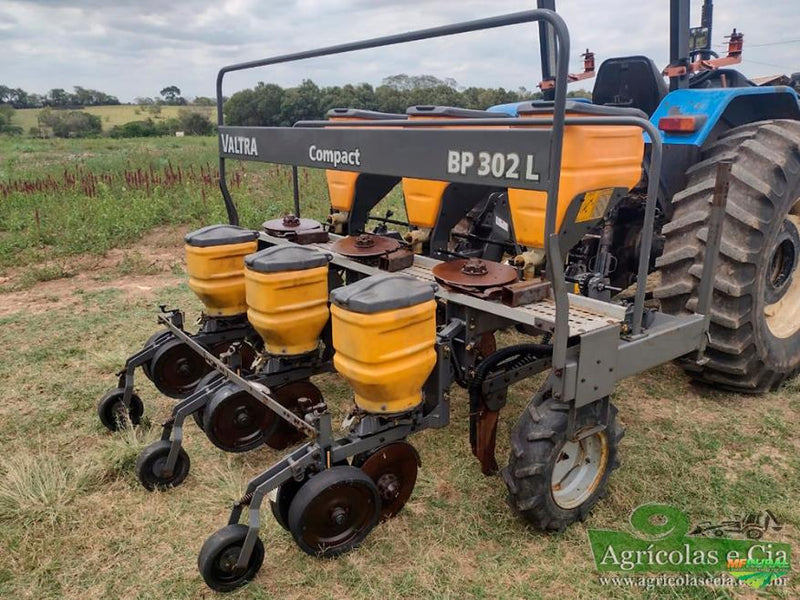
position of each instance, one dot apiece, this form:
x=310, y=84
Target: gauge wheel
x=176, y=369
x=113, y=413
x=219, y=555
x=235, y=421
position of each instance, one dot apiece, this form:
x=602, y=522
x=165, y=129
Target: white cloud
x=136, y=48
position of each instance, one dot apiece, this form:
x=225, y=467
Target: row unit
x=383, y=327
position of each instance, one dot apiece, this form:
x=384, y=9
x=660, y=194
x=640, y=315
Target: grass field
x=111, y=115
x=75, y=523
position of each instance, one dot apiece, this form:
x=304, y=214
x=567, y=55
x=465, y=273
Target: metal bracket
x=597, y=365
x=705, y=292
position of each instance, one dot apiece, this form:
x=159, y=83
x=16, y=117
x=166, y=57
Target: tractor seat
x=629, y=81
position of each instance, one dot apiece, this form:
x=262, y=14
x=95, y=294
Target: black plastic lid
x=357, y=113
x=453, y=112
x=383, y=292
x=219, y=235
x=534, y=107
x=286, y=258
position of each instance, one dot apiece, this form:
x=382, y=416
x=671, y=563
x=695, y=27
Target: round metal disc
x=393, y=468
x=365, y=245
x=288, y=396
x=579, y=469
x=176, y=369
x=334, y=511
x=290, y=224
x=474, y=273
x=235, y=421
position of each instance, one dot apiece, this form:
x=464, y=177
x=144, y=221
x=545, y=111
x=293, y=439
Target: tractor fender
x=721, y=109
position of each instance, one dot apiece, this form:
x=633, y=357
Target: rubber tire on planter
x=148, y=470
x=204, y=382
x=318, y=494
x=217, y=428
x=284, y=496
x=150, y=341
x=110, y=409
x=536, y=445
x=743, y=354
x=283, y=501
x=220, y=550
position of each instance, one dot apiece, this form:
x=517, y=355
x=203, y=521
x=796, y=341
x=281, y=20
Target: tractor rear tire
x=754, y=336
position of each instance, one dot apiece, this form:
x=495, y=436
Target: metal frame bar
x=705, y=291
x=547, y=48
x=679, y=22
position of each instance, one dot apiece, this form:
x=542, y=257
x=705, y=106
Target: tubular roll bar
x=529, y=16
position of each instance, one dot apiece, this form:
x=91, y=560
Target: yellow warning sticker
x=594, y=205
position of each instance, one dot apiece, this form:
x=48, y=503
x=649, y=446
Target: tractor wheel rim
x=782, y=315
x=579, y=469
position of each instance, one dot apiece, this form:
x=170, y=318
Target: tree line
x=269, y=104
x=81, y=97
x=57, y=97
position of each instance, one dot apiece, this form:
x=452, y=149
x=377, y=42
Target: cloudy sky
x=135, y=48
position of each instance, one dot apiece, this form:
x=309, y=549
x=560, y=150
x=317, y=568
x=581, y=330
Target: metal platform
x=585, y=315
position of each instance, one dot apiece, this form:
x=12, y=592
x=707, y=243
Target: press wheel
x=235, y=421
x=113, y=413
x=176, y=369
x=150, y=467
x=218, y=557
x=334, y=511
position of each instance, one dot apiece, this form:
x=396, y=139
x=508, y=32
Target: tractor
x=657, y=222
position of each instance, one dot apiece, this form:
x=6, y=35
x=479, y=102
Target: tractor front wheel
x=754, y=335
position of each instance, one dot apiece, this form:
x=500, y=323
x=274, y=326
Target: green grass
x=111, y=115
x=74, y=522
x=44, y=226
